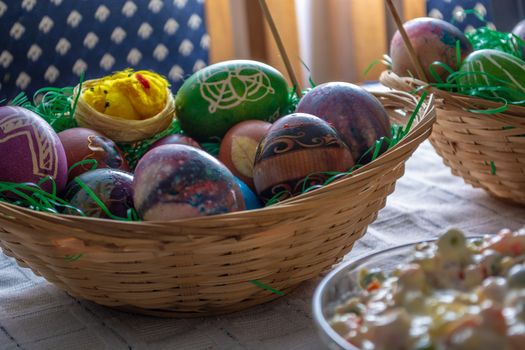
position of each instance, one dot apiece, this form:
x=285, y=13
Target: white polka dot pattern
x=459, y=12
x=52, y=42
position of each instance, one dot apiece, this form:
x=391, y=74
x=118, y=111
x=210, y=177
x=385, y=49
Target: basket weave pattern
x=486, y=150
x=204, y=266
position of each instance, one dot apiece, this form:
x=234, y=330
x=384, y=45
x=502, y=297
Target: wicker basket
x=204, y=266
x=122, y=130
x=486, y=150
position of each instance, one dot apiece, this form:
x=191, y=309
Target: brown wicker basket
x=486, y=150
x=204, y=266
x=122, y=130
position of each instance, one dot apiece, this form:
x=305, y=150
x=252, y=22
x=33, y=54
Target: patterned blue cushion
x=50, y=42
x=450, y=11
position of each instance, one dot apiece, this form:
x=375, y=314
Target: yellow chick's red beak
x=129, y=95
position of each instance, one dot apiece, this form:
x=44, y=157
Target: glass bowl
x=343, y=283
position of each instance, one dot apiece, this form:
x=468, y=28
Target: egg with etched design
x=178, y=181
x=500, y=73
x=81, y=144
x=299, y=151
x=221, y=95
x=30, y=149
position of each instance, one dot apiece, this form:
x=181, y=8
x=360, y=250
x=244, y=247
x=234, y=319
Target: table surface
x=428, y=199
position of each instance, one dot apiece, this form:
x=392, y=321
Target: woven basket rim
x=479, y=143
x=425, y=117
x=517, y=113
x=204, y=266
x=169, y=108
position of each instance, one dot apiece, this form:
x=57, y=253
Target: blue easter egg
x=251, y=201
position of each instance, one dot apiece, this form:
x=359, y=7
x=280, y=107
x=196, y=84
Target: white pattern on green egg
x=219, y=96
x=503, y=73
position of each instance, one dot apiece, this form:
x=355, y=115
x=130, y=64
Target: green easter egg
x=219, y=96
x=493, y=68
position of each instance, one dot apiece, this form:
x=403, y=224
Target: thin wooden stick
x=280, y=46
x=411, y=52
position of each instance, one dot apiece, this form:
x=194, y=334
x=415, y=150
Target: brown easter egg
x=295, y=154
x=238, y=148
x=81, y=144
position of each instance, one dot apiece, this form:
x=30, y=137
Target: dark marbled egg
x=295, y=154
x=113, y=188
x=178, y=181
x=355, y=113
x=176, y=139
x=81, y=144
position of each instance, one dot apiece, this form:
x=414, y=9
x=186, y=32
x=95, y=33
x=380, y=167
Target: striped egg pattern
x=493, y=74
x=299, y=151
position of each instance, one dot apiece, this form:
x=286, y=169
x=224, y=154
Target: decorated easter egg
x=503, y=72
x=82, y=144
x=221, y=95
x=433, y=40
x=251, y=201
x=239, y=145
x=30, y=150
x=178, y=181
x=176, y=139
x=113, y=188
x=356, y=114
x=295, y=154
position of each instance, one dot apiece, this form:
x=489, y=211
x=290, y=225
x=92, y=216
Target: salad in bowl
x=452, y=293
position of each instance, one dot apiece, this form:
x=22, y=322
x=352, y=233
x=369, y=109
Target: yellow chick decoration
x=129, y=95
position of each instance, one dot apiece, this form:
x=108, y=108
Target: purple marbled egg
x=113, y=187
x=178, y=181
x=30, y=149
x=356, y=114
x=176, y=139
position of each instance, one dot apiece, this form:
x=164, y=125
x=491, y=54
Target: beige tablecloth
x=427, y=200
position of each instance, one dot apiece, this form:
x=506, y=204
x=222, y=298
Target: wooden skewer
x=280, y=46
x=411, y=52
